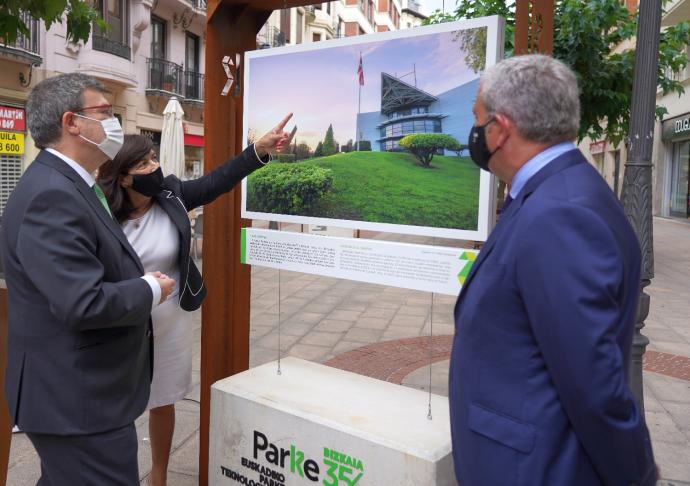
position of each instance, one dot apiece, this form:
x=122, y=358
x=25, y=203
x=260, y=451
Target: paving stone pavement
x=323, y=318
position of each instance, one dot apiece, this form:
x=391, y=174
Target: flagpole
x=359, y=104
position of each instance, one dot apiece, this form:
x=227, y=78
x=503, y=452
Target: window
x=10, y=172
x=157, y=38
x=316, y=37
x=680, y=194
x=285, y=23
x=192, y=77
x=191, y=56
x=157, y=65
x=116, y=39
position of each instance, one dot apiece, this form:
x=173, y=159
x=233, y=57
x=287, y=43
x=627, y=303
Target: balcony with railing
x=193, y=86
x=111, y=46
x=270, y=36
x=164, y=78
x=25, y=48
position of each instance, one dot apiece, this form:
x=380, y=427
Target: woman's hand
x=273, y=141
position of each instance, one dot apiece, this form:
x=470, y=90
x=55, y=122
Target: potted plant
x=168, y=82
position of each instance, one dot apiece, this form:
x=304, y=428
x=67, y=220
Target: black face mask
x=148, y=184
x=479, y=152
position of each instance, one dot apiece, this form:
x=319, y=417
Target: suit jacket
x=179, y=197
x=543, y=327
x=79, y=348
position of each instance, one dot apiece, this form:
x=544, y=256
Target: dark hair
x=133, y=151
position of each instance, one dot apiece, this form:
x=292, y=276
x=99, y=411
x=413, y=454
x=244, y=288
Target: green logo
x=469, y=257
x=342, y=469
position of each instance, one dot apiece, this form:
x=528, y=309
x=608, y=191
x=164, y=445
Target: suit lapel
x=559, y=164
x=92, y=200
x=174, y=208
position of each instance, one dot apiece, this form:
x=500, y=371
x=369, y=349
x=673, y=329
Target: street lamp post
x=637, y=184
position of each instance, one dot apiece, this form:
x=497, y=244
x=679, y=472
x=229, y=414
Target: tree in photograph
x=347, y=147
x=80, y=17
x=303, y=151
x=329, y=144
x=591, y=36
x=425, y=145
x=319, y=150
x=364, y=146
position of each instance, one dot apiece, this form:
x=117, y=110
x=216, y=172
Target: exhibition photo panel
x=379, y=133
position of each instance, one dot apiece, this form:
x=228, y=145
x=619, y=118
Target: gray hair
x=537, y=92
x=50, y=99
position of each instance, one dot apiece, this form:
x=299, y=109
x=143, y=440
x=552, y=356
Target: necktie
x=101, y=197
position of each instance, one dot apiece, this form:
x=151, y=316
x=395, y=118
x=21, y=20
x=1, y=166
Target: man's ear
x=507, y=127
x=68, y=123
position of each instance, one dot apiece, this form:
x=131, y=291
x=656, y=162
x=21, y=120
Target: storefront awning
x=194, y=140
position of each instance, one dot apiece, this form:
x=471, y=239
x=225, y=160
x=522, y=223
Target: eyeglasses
x=104, y=109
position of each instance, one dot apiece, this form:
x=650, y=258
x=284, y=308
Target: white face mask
x=114, y=136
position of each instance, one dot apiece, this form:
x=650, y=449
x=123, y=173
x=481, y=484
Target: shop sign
x=194, y=140
x=675, y=128
x=597, y=147
x=154, y=136
x=11, y=143
x=12, y=118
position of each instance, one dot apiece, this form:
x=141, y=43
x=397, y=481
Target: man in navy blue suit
x=543, y=325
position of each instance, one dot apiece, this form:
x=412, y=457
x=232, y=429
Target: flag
x=360, y=71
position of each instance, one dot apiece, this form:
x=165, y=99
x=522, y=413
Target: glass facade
x=415, y=110
x=680, y=192
x=413, y=126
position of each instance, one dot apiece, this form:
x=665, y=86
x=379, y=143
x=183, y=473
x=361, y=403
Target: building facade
x=338, y=18
x=152, y=52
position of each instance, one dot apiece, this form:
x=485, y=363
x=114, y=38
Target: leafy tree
x=589, y=36
x=303, y=151
x=80, y=17
x=319, y=150
x=347, y=147
x=424, y=145
x=329, y=144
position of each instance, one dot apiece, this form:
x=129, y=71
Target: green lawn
x=393, y=188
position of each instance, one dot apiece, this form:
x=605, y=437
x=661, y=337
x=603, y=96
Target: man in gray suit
x=79, y=355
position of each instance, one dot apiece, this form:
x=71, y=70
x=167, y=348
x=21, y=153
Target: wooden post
x=534, y=27
x=5, y=427
x=230, y=29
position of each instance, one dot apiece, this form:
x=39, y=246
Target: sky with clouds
x=320, y=85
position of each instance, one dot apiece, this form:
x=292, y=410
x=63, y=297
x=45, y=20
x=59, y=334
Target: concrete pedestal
x=319, y=425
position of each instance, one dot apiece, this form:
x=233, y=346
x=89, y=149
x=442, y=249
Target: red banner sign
x=12, y=118
x=597, y=147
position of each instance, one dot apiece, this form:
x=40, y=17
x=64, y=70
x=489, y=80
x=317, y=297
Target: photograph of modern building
x=353, y=101
x=407, y=109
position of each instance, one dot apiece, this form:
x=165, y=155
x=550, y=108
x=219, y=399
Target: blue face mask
x=479, y=152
